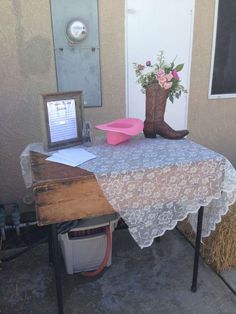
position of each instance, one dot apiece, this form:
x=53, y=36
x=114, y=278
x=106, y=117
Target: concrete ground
x=230, y=278
x=152, y=280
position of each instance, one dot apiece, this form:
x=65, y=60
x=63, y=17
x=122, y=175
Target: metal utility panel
x=76, y=44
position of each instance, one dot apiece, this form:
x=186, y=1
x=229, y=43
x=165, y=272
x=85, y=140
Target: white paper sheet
x=62, y=120
x=73, y=156
x=61, y=160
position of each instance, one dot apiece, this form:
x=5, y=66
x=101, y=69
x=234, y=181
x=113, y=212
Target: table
x=152, y=183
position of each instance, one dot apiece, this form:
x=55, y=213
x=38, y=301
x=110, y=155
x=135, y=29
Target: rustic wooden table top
x=64, y=193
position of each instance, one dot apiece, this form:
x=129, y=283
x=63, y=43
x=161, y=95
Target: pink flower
x=162, y=79
x=167, y=85
x=160, y=72
x=175, y=74
x=162, y=84
x=169, y=77
x=148, y=63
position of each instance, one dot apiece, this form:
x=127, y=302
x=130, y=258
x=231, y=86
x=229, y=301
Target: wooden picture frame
x=63, y=119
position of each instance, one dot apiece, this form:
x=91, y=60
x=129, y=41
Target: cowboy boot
x=156, y=98
x=149, y=123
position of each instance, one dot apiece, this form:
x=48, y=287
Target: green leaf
x=171, y=98
x=179, y=67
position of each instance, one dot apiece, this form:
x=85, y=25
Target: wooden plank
x=46, y=171
x=65, y=193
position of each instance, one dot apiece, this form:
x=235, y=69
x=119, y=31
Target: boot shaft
x=156, y=98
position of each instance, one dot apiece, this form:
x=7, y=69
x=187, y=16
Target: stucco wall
x=211, y=122
x=112, y=55
x=27, y=69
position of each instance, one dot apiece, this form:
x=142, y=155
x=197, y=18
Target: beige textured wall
x=211, y=122
x=27, y=70
x=112, y=55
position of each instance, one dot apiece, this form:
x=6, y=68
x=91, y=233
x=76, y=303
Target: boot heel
x=149, y=135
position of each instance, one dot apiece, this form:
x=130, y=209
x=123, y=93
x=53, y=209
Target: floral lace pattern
x=154, y=183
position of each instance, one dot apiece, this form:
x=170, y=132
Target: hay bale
x=219, y=249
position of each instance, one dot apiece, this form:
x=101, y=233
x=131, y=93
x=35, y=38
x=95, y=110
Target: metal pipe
x=21, y=225
x=2, y=222
x=16, y=218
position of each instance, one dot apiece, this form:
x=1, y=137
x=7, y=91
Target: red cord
x=106, y=257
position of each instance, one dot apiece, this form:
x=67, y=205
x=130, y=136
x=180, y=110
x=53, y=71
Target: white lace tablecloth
x=154, y=183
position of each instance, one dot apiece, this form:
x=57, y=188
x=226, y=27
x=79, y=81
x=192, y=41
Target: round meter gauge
x=76, y=31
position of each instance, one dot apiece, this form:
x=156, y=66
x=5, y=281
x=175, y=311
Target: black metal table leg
x=197, y=249
x=57, y=268
x=50, y=250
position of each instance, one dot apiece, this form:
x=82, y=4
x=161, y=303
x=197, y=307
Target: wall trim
x=216, y=96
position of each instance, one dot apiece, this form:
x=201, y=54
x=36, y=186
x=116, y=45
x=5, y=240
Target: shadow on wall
x=34, y=55
x=29, y=53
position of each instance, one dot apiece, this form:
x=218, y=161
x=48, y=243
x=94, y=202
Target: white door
x=151, y=26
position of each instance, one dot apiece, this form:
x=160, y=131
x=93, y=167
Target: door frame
x=189, y=60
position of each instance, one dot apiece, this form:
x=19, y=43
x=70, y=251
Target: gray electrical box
x=76, y=44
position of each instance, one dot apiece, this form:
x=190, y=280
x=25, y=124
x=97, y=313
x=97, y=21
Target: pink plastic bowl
x=121, y=130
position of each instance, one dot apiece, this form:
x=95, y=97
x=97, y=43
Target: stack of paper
x=73, y=156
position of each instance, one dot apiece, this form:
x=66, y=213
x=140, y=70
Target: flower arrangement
x=166, y=75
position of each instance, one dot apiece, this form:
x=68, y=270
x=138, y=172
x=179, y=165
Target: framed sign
x=63, y=117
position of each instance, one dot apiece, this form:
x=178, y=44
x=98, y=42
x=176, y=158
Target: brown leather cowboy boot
x=156, y=98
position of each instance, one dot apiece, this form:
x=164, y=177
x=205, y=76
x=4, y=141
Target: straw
x=219, y=249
